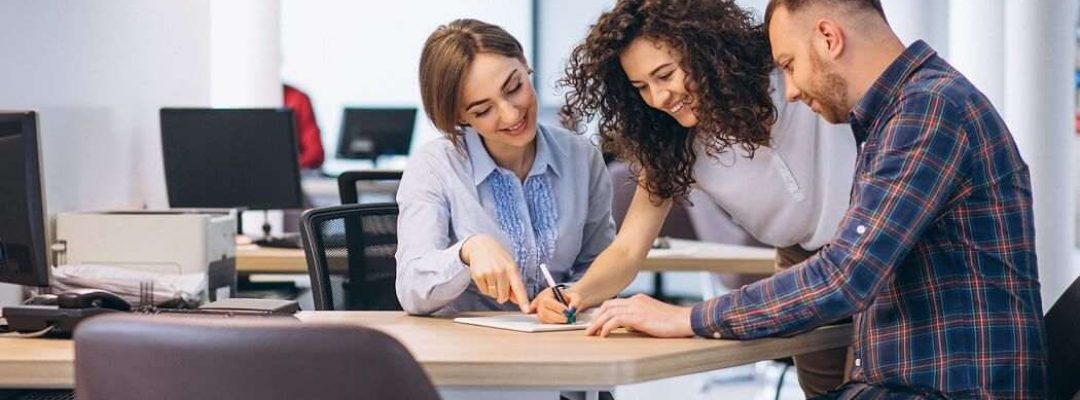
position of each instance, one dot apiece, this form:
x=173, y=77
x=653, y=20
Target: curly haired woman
x=686, y=91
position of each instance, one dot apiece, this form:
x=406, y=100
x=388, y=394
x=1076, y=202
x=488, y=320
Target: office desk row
x=476, y=359
x=684, y=255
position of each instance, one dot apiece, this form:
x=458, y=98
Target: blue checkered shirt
x=935, y=257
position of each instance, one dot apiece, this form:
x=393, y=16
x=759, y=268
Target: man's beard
x=830, y=92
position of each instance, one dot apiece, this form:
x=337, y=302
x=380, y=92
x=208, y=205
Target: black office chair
x=130, y=356
x=349, y=180
x=1063, y=342
x=357, y=242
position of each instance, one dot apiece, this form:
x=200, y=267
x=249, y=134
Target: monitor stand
x=285, y=241
x=389, y=162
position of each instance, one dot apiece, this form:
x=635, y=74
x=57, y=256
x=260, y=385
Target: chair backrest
x=350, y=255
x=677, y=225
x=349, y=181
x=1063, y=339
x=127, y=356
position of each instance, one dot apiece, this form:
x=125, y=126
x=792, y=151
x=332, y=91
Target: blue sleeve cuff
x=705, y=318
x=697, y=322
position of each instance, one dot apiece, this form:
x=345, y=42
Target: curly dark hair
x=727, y=61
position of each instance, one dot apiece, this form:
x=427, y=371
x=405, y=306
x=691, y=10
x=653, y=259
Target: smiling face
x=808, y=76
x=653, y=68
x=499, y=102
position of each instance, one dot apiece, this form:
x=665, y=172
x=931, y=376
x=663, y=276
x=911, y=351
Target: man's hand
x=644, y=314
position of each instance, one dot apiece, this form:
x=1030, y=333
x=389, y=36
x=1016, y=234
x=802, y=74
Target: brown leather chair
x=120, y=357
x=699, y=219
x=677, y=225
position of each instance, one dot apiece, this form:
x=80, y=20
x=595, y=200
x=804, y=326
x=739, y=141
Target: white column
x=245, y=55
x=562, y=25
x=926, y=20
x=1039, y=61
x=976, y=45
x=98, y=72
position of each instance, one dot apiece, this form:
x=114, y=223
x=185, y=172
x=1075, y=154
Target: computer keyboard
x=38, y=395
x=282, y=242
x=56, y=321
x=237, y=306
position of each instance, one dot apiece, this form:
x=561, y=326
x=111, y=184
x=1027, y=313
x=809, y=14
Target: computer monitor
x=231, y=158
x=367, y=133
x=23, y=249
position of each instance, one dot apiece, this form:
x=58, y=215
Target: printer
x=176, y=241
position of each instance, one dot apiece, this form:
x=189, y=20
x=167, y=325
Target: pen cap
x=547, y=275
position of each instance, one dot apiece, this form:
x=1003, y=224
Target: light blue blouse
x=560, y=215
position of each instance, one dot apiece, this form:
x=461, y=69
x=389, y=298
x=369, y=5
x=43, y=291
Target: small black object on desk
x=72, y=307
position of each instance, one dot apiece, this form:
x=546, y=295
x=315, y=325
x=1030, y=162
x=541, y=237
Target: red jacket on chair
x=307, y=129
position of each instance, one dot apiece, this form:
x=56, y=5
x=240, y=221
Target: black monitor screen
x=23, y=257
x=367, y=133
x=230, y=158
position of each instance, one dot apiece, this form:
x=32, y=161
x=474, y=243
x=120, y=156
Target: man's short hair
x=795, y=5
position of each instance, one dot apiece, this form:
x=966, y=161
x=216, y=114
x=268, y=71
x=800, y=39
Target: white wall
x=926, y=20
x=1040, y=109
x=245, y=53
x=977, y=45
x=363, y=53
x=563, y=24
x=98, y=72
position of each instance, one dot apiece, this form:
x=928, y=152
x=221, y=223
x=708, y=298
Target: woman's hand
x=550, y=310
x=494, y=271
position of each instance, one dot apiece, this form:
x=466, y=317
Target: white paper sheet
x=524, y=323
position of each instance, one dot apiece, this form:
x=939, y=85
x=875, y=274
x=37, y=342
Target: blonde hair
x=447, y=54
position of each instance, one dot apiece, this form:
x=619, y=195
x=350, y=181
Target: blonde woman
x=499, y=194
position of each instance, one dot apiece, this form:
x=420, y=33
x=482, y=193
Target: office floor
x=752, y=382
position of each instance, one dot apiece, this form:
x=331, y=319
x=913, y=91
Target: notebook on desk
x=524, y=323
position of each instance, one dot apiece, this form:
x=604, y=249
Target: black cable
x=780, y=382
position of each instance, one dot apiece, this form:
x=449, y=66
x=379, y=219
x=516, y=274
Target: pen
x=570, y=312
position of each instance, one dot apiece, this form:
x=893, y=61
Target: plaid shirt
x=935, y=257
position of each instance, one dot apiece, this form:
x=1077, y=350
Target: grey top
x=795, y=190
x=560, y=214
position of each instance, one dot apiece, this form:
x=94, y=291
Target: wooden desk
x=684, y=255
x=695, y=256
x=37, y=363
x=252, y=259
x=457, y=355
